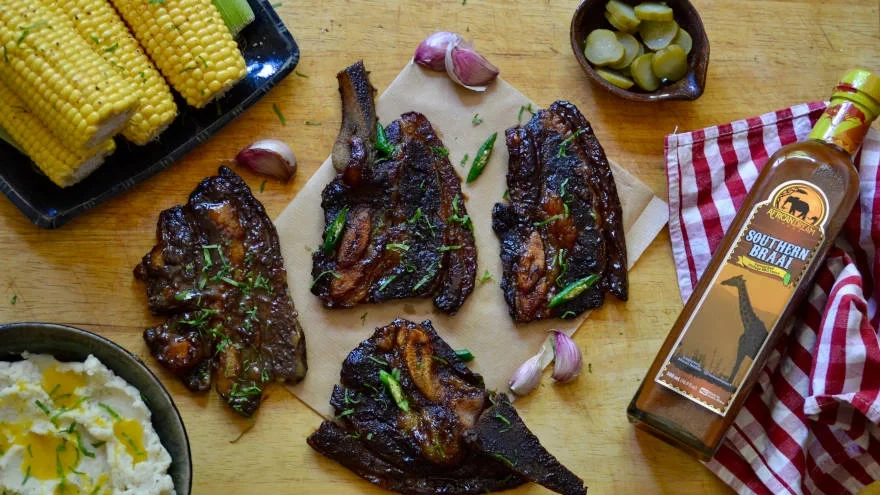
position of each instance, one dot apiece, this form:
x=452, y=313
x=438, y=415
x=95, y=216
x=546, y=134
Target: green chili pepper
x=334, y=231
x=382, y=145
x=464, y=354
x=395, y=388
x=573, y=290
x=481, y=159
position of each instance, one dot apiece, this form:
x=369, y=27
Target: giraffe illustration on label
x=728, y=328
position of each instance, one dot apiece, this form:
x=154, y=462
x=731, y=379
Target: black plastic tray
x=270, y=53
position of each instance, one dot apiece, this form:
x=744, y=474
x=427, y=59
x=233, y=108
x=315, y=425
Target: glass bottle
x=761, y=270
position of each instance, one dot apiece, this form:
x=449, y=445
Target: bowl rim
x=138, y=364
x=590, y=71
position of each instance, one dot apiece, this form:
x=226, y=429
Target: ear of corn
x=189, y=43
x=100, y=26
x=63, y=166
x=78, y=95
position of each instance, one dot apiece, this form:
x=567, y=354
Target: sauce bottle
x=762, y=269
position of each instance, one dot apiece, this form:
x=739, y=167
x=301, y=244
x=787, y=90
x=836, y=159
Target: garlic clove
x=269, y=157
x=528, y=375
x=568, y=361
x=467, y=67
x=431, y=52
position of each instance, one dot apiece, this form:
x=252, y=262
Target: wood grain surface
x=765, y=54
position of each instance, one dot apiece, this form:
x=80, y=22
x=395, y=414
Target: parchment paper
x=483, y=324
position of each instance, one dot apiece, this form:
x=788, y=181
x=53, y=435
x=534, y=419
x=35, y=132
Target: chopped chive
x=440, y=150
x=300, y=74
x=275, y=6
x=397, y=247
x=43, y=407
x=440, y=359
x=564, y=144
x=156, y=1
x=279, y=114
x=503, y=418
x=476, y=120
x=502, y=458
x=562, y=188
x=448, y=248
x=13, y=299
x=27, y=473
x=387, y=282
x=378, y=361
x=486, y=277
x=364, y=319
x=523, y=109
x=263, y=186
x=552, y=219
x=110, y=411
x=506, y=194
x=95, y=39
x=320, y=275
x=130, y=442
x=189, y=69
x=428, y=277
x=568, y=314
x=463, y=160
x=347, y=412
x=25, y=31
x=112, y=48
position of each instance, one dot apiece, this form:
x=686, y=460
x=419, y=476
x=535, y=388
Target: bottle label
x=843, y=123
x=728, y=328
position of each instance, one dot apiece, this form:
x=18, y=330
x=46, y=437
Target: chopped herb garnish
x=263, y=186
x=183, y=296
x=300, y=74
x=439, y=359
x=506, y=194
x=564, y=144
x=448, y=248
x=279, y=114
x=25, y=31
x=432, y=272
x=386, y=282
x=562, y=188
x=476, y=120
x=261, y=282
x=79, y=445
x=232, y=282
x=364, y=319
x=133, y=445
x=440, y=150
x=110, y=411
x=377, y=360
x=370, y=436
x=502, y=458
x=464, y=354
x=27, y=473
x=112, y=48
x=415, y=217
x=54, y=389
x=95, y=39
x=552, y=219
x=350, y=400
x=590, y=368
x=312, y=122
x=13, y=299
x=568, y=314
x=189, y=68
x=347, y=412
x=463, y=160
x=563, y=266
x=98, y=444
x=320, y=275
x=384, y=147
x=43, y=407
x=523, y=109
x=503, y=418
x=156, y=1
x=392, y=382
x=397, y=247
x=275, y=6
x=486, y=277
x=464, y=221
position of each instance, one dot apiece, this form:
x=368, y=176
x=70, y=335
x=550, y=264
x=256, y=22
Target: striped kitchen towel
x=811, y=424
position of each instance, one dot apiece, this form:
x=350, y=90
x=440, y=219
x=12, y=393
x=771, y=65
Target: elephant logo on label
x=802, y=201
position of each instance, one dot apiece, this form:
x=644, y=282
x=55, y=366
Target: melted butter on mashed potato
x=78, y=429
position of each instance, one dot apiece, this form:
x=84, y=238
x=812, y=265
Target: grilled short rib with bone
x=562, y=240
x=412, y=418
x=396, y=222
x=217, y=273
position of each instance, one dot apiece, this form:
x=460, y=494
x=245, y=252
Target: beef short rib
x=396, y=225
x=562, y=227
x=217, y=273
x=413, y=418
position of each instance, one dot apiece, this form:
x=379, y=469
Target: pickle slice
x=623, y=11
x=643, y=73
x=670, y=63
x=614, y=78
x=631, y=48
x=602, y=48
x=684, y=40
x=658, y=34
x=620, y=23
x=653, y=11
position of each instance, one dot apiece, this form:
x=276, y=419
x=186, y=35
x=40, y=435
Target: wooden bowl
x=590, y=15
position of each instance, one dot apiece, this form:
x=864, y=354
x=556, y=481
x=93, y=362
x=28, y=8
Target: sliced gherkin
x=653, y=11
x=684, y=40
x=631, y=48
x=670, y=63
x=602, y=48
x=643, y=73
x=622, y=22
x=658, y=34
x=614, y=78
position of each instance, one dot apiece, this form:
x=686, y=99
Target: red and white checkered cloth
x=811, y=424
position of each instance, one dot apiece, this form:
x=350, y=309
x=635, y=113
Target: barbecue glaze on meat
x=563, y=221
x=454, y=437
x=217, y=273
x=406, y=229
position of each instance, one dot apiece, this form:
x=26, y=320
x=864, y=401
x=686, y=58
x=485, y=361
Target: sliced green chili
x=464, y=354
x=334, y=231
x=573, y=290
x=395, y=388
x=481, y=159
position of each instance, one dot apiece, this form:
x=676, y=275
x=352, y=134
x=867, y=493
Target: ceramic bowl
x=590, y=15
x=72, y=344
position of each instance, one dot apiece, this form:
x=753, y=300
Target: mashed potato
x=76, y=428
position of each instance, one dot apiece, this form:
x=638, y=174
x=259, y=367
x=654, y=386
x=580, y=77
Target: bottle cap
x=862, y=87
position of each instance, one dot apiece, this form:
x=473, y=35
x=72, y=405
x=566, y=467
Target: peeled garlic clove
x=269, y=157
x=467, y=67
x=431, y=52
x=568, y=361
x=528, y=375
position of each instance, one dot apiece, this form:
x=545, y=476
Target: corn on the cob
x=63, y=166
x=189, y=42
x=77, y=94
x=98, y=23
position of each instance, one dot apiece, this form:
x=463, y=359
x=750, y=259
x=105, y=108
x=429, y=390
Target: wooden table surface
x=766, y=54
